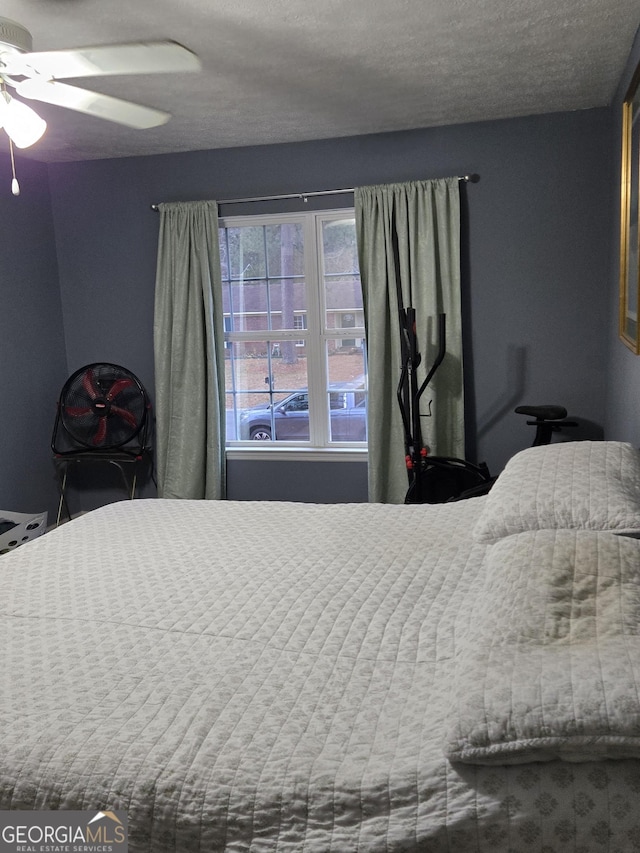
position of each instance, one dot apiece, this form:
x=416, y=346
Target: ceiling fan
x=36, y=76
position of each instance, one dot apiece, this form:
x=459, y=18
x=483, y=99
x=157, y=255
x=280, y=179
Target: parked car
x=291, y=418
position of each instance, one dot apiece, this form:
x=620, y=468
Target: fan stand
x=121, y=461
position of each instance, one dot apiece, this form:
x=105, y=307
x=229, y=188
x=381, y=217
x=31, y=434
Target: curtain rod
x=305, y=196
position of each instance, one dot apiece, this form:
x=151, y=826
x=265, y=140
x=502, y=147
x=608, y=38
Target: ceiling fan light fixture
x=22, y=124
x=36, y=75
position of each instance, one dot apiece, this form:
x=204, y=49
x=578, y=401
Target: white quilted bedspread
x=268, y=677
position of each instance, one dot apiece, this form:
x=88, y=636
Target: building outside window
x=300, y=322
x=295, y=353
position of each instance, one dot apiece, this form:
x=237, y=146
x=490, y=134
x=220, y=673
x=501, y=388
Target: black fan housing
x=102, y=407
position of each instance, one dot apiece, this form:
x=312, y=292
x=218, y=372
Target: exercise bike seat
x=543, y=413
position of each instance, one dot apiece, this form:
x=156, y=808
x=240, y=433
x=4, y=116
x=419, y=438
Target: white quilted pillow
x=579, y=485
x=549, y=664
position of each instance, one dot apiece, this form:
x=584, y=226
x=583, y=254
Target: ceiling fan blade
x=153, y=57
x=92, y=103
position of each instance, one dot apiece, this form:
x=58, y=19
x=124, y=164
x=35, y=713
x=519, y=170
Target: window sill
x=307, y=454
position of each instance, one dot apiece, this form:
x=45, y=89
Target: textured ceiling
x=292, y=70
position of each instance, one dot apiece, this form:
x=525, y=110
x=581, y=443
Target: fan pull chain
x=15, y=186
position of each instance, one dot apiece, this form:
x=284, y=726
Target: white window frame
x=315, y=337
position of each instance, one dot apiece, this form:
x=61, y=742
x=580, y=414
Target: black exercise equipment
x=437, y=479
x=432, y=479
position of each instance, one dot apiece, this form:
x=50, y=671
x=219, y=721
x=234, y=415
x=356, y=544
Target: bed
x=244, y=676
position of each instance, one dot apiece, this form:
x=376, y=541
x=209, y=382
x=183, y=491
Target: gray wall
x=32, y=356
x=78, y=265
x=536, y=259
x=623, y=392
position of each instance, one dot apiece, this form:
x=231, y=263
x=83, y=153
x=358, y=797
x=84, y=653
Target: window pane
x=288, y=299
x=339, y=246
x=347, y=319
x=342, y=288
x=347, y=392
x=246, y=305
x=245, y=254
x=285, y=249
x=266, y=391
x=263, y=276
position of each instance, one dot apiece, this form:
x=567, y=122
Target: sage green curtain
x=426, y=218
x=189, y=353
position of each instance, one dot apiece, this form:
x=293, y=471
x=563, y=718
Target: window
x=295, y=353
x=300, y=322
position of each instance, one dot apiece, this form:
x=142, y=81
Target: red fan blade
x=101, y=432
x=77, y=411
x=87, y=384
x=125, y=415
x=118, y=386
